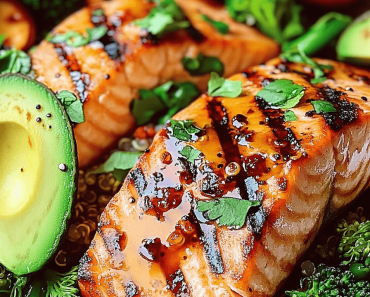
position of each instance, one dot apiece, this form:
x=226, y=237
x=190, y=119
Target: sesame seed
x=63, y=167
x=38, y=106
x=38, y=119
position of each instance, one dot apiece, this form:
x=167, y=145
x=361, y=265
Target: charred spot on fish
x=256, y=218
x=195, y=34
x=147, y=37
x=157, y=177
x=239, y=121
x=113, y=50
x=364, y=98
x=137, y=177
x=176, y=283
x=310, y=113
x=84, y=271
x=131, y=289
x=282, y=183
x=219, y=154
x=150, y=249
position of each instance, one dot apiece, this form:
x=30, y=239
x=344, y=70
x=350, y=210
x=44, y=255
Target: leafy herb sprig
x=230, y=212
x=72, y=105
x=164, y=18
x=163, y=102
x=221, y=27
x=183, y=130
x=190, y=153
x=219, y=86
x=76, y=39
x=322, y=106
x=14, y=61
x=203, y=65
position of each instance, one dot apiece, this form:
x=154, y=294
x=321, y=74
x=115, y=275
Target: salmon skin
x=153, y=240
x=107, y=75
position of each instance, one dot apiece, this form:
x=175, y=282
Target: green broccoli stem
x=321, y=33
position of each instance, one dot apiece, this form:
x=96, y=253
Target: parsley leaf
x=163, y=102
x=221, y=27
x=279, y=19
x=282, y=93
x=76, y=39
x=202, y=65
x=190, y=153
x=183, y=130
x=119, y=163
x=219, y=86
x=289, y=116
x=164, y=18
x=323, y=106
x=229, y=212
x=72, y=105
x=315, y=81
x=14, y=61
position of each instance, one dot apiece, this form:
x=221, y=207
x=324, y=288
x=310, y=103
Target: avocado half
x=38, y=171
x=354, y=44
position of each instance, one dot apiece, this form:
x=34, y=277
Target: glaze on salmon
x=107, y=75
x=153, y=241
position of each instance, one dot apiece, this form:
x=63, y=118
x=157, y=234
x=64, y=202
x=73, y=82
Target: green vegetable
x=221, y=27
x=76, y=39
x=184, y=130
x=229, y=212
x=14, y=61
x=321, y=33
x=190, y=153
x=353, y=45
x=98, y=12
x=203, y=65
x=219, y=86
x=61, y=284
x=323, y=106
x=282, y=93
x=164, y=18
x=119, y=163
x=290, y=116
x=72, y=105
x=2, y=39
x=330, y=281
x=163, y=102
x=279, y=19
x=39, y=160
x=297, y=55
x=315, y=81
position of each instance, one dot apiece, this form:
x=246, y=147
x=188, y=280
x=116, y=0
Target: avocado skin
x=31, y=236
x=354, y=44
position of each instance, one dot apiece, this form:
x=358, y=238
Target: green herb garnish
x=119, y=163
x=219, y=86
x=323, y=106
x=229, y=212
x=76, y=39
x=282, y=93
x=164, y=18
x=289, y=116
x=203, y=65
x=98, y=12
x=14, y=61
x=315, y=81
x=72, y=105
x=221, y=27
x=183, y=130
x=190, y=153
x=2, y=39
x=279, y=19
x=163, y=102
x=61, y=284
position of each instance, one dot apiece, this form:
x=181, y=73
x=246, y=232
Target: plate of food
x=184, y=148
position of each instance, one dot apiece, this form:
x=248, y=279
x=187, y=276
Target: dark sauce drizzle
x=114, y=50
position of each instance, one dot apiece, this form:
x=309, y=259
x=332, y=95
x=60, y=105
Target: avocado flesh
x=354, y=44
x=38, y=168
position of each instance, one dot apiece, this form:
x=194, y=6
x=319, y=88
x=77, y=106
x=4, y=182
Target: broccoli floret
x=331, y=281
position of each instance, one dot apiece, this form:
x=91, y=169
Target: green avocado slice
x=38, y=171
x=354, y=44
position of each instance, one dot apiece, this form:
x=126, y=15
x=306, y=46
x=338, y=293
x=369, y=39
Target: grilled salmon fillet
x=152, y=239
x=107, y=75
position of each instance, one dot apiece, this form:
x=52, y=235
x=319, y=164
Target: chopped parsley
x=183, y=130
x=279, y=19
x=219, y=86
x=119, y=163
x=163, y=102
x=289, y=116
x=230, y=212
x=203, y=65
x=14, y=61
x=323, y=106
x=221, y=27
x=190, y=153
x=76, y=39
x=72, y=105
x=282, y=93
x=165, y=17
